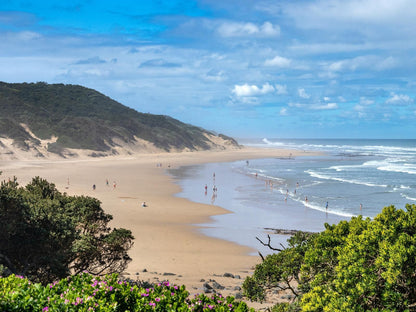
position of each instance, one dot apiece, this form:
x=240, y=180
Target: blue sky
x=276, y=69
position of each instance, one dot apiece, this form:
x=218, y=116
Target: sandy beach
x=167, y=243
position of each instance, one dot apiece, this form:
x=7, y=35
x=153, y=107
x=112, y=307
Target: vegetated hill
x=58, y=118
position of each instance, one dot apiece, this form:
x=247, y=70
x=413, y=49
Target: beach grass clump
x=86, y=292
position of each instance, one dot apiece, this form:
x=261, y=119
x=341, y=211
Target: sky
x=246, y=68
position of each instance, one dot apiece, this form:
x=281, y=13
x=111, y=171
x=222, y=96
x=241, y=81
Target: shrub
x=85, y=292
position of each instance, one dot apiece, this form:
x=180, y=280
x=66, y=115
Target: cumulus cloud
x=232, y=29
x=278, y=61
x=252, y=90
x=399, y=99
x=302, y=93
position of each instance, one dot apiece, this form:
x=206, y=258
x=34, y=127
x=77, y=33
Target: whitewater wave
x=359, y=150
x=327, y=177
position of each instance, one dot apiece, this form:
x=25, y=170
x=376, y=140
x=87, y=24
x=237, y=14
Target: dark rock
x=237, y=276
x=168, y=274
x=228, y=275
x=215, y=285
x=202, y=280
x=237, y=288
x=144, y=270
x=207, y=290
x=238, y=295
x=208, y=286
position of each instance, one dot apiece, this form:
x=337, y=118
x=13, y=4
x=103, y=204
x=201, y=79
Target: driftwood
x=280, y=232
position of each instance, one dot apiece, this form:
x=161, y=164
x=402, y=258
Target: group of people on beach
x=107, y=183
x=214, y=189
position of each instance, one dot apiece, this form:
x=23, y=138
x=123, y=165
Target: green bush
x=85, y=292
x=357, y=265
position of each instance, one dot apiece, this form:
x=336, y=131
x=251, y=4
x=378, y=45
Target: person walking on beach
x=326, y=205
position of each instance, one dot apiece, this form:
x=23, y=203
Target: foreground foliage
x=360, y=265
x=84, y=292
x=46, y=235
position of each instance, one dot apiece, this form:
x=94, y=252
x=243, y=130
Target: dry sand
x=166, y=239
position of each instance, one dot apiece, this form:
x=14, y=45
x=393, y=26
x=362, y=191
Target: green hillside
x=83, y=118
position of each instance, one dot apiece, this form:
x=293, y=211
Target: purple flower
x=157, y=299
x=45, y=309
x=152, y=304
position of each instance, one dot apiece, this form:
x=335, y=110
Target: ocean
x=353, y=177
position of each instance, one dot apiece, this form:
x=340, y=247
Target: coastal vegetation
x=72, y=116
x=357, y=265
x=46, y=235
x=85, y=292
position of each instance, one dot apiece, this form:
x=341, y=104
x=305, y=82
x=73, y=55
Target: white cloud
x=278, y=61
x=327, y=106
x=399, y=99
x=340, y=14
x=280, y=89
x=302, y=93
x=232, y=29
x=283, y=112
x=212, y=75
x=327, y=99
x=365, y=101
x=359, y=108
x=252, y=90
x=363, y=62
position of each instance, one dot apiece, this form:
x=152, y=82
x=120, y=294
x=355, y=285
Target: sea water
x=351, y=178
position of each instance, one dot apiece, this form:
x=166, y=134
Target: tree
x=360, y=265
x=46, y=235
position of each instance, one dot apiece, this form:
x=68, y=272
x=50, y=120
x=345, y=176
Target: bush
x=85, y=292
x=357, y=265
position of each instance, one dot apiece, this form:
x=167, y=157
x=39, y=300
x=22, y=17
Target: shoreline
x=168, y=242
x=254, y=205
